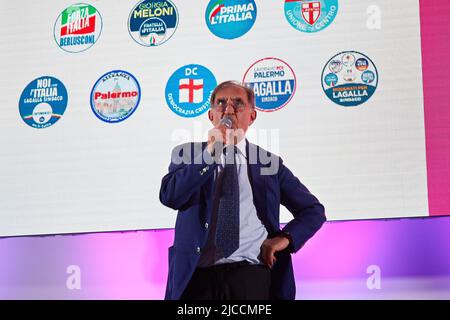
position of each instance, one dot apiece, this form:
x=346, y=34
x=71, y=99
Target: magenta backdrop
x=435, y=28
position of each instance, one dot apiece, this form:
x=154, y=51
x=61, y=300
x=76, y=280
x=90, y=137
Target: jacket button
x=198, y=249
x=206, y=225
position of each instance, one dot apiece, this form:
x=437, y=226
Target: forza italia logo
x=77, y=28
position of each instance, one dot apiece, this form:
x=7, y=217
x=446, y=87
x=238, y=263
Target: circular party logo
x=310, y=16
x=189, y=89
x=152, y=23
x=273, y=82
x=43, y=102
x=78, y=27
x=229, y=19
x=349, y=78
x=115, y=96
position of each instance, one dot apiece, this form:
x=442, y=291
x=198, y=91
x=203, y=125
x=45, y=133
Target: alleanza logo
x=152, y=23
x=230, y=19
x=78, y=27
x=43, y=102
x=115, y=96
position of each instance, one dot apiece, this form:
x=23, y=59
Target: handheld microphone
x=227, y=122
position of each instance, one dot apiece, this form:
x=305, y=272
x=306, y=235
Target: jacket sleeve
x=189, y=169
x=308, y=212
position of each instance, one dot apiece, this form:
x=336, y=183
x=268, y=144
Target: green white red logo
x=78, y=27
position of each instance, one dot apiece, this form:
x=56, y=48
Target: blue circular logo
x=331, y=79
x=273, y=82
x=230, y=19
x=115, y=96
x=43, y=102
x=153, y=22
x=353, y=80
x=189, y=89
x=362, y=64
x=310, y=16
x=368, y=76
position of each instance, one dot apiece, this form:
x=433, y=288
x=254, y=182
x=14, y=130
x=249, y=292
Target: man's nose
x=229, y=107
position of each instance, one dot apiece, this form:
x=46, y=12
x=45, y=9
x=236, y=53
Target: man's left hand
x=270, y=246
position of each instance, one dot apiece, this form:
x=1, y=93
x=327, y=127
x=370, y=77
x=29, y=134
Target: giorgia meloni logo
x=229, y=19
x=78, y=27
x=115, y=96
x=152, y=23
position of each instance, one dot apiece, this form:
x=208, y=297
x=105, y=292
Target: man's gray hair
x=248, y=90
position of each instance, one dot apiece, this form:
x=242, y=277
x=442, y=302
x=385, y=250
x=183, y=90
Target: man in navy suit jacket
x=261, y=267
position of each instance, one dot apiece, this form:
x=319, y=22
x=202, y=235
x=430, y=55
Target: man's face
x=224, y=100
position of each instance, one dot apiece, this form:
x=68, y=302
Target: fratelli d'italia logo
x=189, y=89
x=115, y=96
x=230, y=19
x=310, y=16
x=349, y=78
x=273, y=82
x=78, y=27
x=152, y=23
x=43, y=102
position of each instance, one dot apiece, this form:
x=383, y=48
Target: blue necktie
x=227, y=232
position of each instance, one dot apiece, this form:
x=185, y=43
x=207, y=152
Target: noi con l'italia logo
x=78, y=27
x=43, y=102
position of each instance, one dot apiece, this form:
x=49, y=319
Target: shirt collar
x=241, y=146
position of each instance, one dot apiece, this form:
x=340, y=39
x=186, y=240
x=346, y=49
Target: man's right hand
x=219, y=136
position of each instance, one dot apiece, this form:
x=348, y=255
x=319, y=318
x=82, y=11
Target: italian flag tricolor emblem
x=216, y=9
x=78, y=19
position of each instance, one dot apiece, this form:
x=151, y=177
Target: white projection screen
x=81, y=174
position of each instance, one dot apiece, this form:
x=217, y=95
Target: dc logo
x=230, y=19
x=189, y=89
x=310, y=16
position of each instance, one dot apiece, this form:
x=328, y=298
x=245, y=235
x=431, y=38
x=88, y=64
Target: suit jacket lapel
x=208, y=188
x=257, y=181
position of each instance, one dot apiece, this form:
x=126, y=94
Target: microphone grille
x=227, y=122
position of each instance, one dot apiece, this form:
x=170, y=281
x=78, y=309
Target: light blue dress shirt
x=252, y=232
